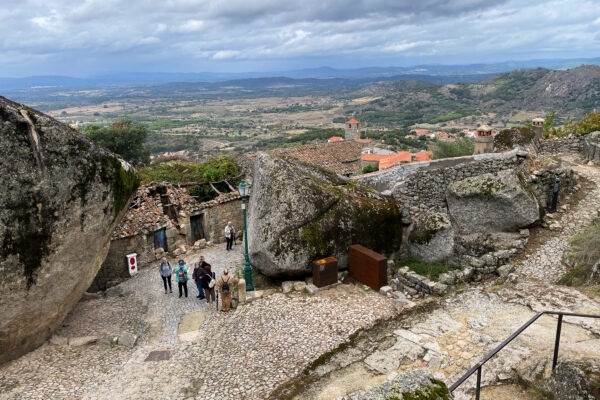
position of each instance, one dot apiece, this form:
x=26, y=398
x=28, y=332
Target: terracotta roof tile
x=340, y=157
x=352, y=121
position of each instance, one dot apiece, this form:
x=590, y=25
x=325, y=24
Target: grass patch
x=431, y=270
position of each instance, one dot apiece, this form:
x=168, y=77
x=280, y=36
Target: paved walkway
x=167, y=309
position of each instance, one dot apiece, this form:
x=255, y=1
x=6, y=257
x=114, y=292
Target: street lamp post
x=243, y=190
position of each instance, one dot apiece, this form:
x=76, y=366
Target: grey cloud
x=211, y=33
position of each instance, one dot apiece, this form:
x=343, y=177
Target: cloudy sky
x=87, y=37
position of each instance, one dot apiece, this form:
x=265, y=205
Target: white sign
x=132, y=264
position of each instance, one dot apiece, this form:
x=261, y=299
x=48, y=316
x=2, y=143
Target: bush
x=171, y=171
x=583, y=255
x=589, y=123
x=369, y=168
x=123, y=138
x=458, y=148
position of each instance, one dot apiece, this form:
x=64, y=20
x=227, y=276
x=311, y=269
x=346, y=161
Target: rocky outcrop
x=61, y=197
x=591, y=147
x=299, y=213
x=500, y=202
x=574, y=380
x=432, y=237
x=416, y=384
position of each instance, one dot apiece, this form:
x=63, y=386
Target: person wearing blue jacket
x=181, y=277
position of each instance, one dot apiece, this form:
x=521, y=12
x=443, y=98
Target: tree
x=369, y=168
x=123, y=138
x=458, y=148
x=589, y=123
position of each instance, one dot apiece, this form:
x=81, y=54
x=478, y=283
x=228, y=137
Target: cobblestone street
x=244, y=354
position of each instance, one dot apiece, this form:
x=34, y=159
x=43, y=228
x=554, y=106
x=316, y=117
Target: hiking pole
x=217, y=302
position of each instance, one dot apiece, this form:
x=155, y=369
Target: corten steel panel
x=367, y=266
x=325, y=271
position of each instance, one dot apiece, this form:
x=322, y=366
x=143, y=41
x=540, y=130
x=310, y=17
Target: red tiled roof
x=373, y=157
x=424, y=156
x=335, y=139
x=352, y=121
x=391, y=160
x=364, y=140
x=341, y=157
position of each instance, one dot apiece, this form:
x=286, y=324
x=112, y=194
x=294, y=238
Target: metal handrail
x=477, y=367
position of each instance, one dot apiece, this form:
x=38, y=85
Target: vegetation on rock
x=431, y=270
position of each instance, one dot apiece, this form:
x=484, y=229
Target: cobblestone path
x=546, y=263
x=167, y=309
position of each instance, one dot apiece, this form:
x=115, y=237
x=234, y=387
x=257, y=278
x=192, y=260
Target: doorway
x=160, y=239
x=196, y=223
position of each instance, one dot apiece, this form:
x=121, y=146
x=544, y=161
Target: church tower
x=352, y=130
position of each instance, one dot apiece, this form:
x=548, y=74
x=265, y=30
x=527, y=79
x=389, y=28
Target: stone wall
x=422, y=186
x=214, y=221
x=561, y=145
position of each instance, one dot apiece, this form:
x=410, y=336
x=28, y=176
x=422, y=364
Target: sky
x=94, y=37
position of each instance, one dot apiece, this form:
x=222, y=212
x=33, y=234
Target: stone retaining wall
x=561, y=145
x=422, y=186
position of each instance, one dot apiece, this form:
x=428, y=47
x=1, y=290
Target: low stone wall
x=561, y=145
x=542, y=183
x=422, y=186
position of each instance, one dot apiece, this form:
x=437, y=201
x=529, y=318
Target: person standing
x=229, y=235
x=166, y=269
x=225, y=287
x=181, y=277
x=197, y=275
x=208, y=284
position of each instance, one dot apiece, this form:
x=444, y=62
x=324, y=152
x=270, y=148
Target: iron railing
x=477, y=367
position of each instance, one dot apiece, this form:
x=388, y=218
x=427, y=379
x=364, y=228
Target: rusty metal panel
x=367, y=266
x=325, y=271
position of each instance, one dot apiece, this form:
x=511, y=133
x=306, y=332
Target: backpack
x=182, y=275
x=225, y=286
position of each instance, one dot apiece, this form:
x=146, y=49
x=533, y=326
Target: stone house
x=164, y=219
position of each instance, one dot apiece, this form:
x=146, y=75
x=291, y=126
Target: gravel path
x=546, y=263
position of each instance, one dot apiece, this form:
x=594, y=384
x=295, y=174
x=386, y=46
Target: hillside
x=571, y=93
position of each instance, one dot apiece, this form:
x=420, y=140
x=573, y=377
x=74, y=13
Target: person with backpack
x=181, y=277
x=225, y=287
x=197, y=275
x=165, y=269
x=208, y=284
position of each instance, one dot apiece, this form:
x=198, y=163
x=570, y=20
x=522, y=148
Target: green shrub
x=458, y=148
x=369, y=168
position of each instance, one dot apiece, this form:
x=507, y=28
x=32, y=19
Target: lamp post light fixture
x=243, y=190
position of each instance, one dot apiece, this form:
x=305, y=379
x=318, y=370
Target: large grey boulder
x=432, y=237
x=591, y=147
x=299, y=213
x=61, y=197
x=500, y=202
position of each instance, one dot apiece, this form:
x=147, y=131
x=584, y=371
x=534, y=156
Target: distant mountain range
x=429, y=73
x=571, y=93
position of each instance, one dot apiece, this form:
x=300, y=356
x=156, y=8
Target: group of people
x=205, y=280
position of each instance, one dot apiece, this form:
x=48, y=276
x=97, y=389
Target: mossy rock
x=56, y=217
x=299, y=213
